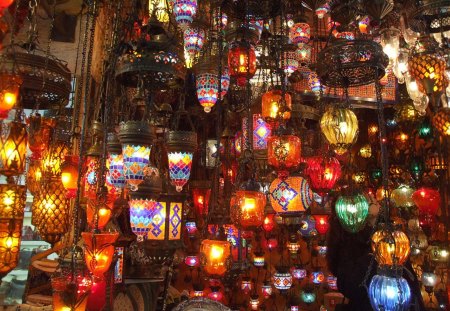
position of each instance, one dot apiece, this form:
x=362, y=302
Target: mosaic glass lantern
x=266, y=290
x=293, y=245
x=225, y=81
x=13, y=148
x=290, y=63
x=428, y=200
x=136, y=138
x=427, y=66
x=261, y=131
x=441, y=121
x=114, y=163
x=304, y=54
x=9, y=92
x=180, y=146
x=352, y=211
x=12, y=201
x=91, y=176
x=70, y=291
x=69, y=175
x=192, y=261
x=307, y=227
x=216, y=255
x=308, y=297
x=242, y=61
x=389, y=293
x=254, y=302
x=246, y=285
x=282, y=279
x=340, y=128
x=269, y=222
x=298, y=272
x=207, y=85
x=323, y=173
x=322, y=224
x=283, y=153
x=291, y=195
x=314, y=82
x=39, y=132
x=259, y=259
x=248, y=208
x=274, y=107
x=10, y=238
x=194, y=38
x=99, y=251
x=300, y=33
x=184, y=11
x=390, y=248
x=322, y=10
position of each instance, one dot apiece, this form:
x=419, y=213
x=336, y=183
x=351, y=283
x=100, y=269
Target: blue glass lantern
x=317, y=277
x=184, y=11
x=388, y=293
x=307, y=226
x=225, y=81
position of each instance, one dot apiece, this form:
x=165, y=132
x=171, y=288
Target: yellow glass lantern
x=402, y=196
x=340, y=128
x=99, y=251
x=9, y=93
x=359, y=177
x=13, y=148
x=10, y=236
x=159, y=9
x=365, y=151
x=390, y=247
x=215, y=256
x=34, y=176
x=274, y=107
x=381, y=194
x=53, y=158
x=248, y=207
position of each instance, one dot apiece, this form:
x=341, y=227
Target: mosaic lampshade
x=207, y=85
x=291, y=62
x=314, y=82
x=261, y=131
x=304, y=54
x=248, y=208
x=114, y=163
x=91, y=176
x=184, y=11
x=291, y=195
x=282, y=279
x=441, y=121
x=194, y=38
x=284, y=152
x=300, y=33
x=181, y=146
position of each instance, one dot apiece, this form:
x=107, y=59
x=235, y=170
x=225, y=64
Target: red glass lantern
x=69, y=175
x=267, y=290
x=248, y=208
x=246, y=285
x=192, y=261
x=99, y=251
x=274, y=107
x=284, y=153
x=427, y=200
x=9, y=84
x=322, y=223
x=215, y=294
x=271, y=243
x=201, y=200
x=242, y=61
x=323, y=173
x=269, y=222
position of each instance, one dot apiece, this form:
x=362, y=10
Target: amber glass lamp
x=10, y=237
x=441, y=121
x=390, y=247
x=275, y=107
x=39, y=132
x=98, y=212
x=69, y=175
x=215, y=256
x=34, y=176
x=99, y=251
x=283, y=153
x=242, y=61
x=53, y=158
x=13, y=148
x=9, y=92
x=12, y=201
x=248, y=208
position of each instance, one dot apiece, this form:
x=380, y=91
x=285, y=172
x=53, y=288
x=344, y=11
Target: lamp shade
x=9, y=84
x=282, y=279
x=427, y=200
x=323, y=172
x=242, y=61
x=207, y=85
x=300, y=33
x=181, y=146
x=184, y=11
x=284, y=152
x=12, y=201
x=69, y=175
x=136, y=138
x=215, y=256
x=390, y=248
x=352, y=211
x=402, y=196
x=13, y=148
x=71, y=291
x=10, y=238
x=194, y=39
x=322, y=224
x=389, y=293
x=275, y=107
x=340, y=128
x=291, y=195
x=248, y=208
x=98, y=212
x=99, y=251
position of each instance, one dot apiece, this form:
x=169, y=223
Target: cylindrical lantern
x=12, y=201
x=216, y=255
x=136, y=138
x=282, y=279
x=184, y=11
x=181, y=146
x=390, y=248
x=194, y=38
x=69, y=175
x=323, y=173
x=13, y=148
x=298, y=272
x=114, y=163
x=322, y=223
x=99, y=251
x=10, y=237
x=242, y=61
x=53, y=158
x=283, y=153
x=200, y=197
x=275, y=107
x=259, y=259
x=248, y=210
x=290, y=196
x=427, y=200
x=389, y=293
x=9, y=91
x=340, y=128
x=352, y=211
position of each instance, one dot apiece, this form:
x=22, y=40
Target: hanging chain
x=32, y=19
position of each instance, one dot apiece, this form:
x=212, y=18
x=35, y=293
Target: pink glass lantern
x=184, y=11
x=192, y=261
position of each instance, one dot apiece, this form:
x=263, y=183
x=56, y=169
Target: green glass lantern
x=425, y=130
x=417, y=168
x=352, y=211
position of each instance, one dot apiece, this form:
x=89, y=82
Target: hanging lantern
x=359, y=177
x=248, y=207
x=141, y=209
x=180, y=146
x=98, y=212
x=69, y=175
x=352, y=211
x=291, y=195
x=192, y=261
x=283, y=153
x=225, y=81
x=307, y=226
x=254, y=302
x=417, y=168
x=261, y=131
x=323, y=173
x=70, y=291
x=39, y=133
x=10, y=237
x=52, y=211
x=266, y=290
x=314, y=82
x=194, y=38
x=136, y=138
x=200, y=197
x=364, y=24
x=99, y=251
x=365, y=151
x=207, y=85
x=340, y=128
x=390, y=41
x=160, y=10
x=402, y=196
x=246, y=285
x=53, y=158
x=427, y=200
x=322, y=10
x=304, y=54
x=9, y=90
x=427, y=66
x=298, y=272
x=282, y=279
x=429, y=281
x=12, y=201
x=34, y=176
x=216, y=256
x=242, y=61
x=290, y=62
x=322, y=224
x=114, y=163
x=308, y=297
x=91, y=176
x=300, y=33
x=437, y=163
x=184, y=11
x=215, y=294
x=293, y=245
x=439, y=253
x=269, y=222
x=274, y=107
x=259, y=260
x=441, y=121
x=390, y=248
x=13, y=148
x=389, y=293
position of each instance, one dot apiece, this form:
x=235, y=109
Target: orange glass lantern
x=215, y=256
x=201, y=199
x=441, y=121
x=9, y=92
x=10, y=237
x=390, y=248
x=248, y=208
x=69, y=175
x=12, y=201
x=274, y=107
x=269, y=222
x=322, y=223
x=242, y=61
x=99, y=251
x=98, y=212
x=70, y=291
x=13, y=148
x=284, y=153
x=53, y=158
x=34, y=175
x=291, y=195
x=39, y=132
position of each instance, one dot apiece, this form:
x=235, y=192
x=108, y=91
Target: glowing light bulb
x=249, y=204
x=216, y=252
x=343, y=127
x=9, y=242
x=10, y=98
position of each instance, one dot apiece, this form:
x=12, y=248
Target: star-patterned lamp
x=291, y=195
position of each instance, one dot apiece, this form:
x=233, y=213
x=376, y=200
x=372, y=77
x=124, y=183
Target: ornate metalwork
x=198, y=304
x=259, y=9
x=351, y=63
x=432, y=16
